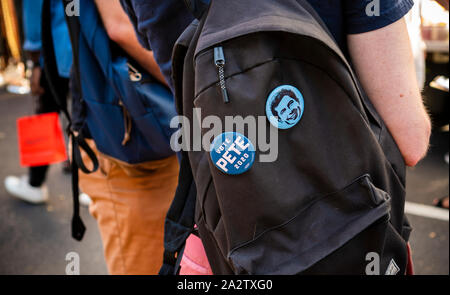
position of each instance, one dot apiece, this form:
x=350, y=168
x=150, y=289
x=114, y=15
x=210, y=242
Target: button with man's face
x=285, y=106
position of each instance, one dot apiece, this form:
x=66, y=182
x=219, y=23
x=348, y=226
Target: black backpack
x=334, y=198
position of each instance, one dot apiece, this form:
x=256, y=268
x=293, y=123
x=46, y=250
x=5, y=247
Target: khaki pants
x=130, y=203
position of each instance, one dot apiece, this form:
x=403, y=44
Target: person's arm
x=121, y=31
x=384, y=63
x=36, y=73
x=32, y=45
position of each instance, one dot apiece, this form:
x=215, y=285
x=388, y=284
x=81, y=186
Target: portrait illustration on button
x=285, y=106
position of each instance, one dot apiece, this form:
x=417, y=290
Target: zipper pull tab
x=219, y=60
x=127, y=124
x=134, y=74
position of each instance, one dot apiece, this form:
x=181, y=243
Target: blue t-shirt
x=159, y=23
x=32, y=11
x=61, y=39
x=32, y=14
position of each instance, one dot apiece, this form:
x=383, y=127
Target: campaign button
x=285, y=106
x=232, y=153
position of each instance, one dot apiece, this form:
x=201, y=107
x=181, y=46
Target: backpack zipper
x=219, y=60
x=134, y=74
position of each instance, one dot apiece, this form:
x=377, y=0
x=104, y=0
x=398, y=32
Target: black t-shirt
x=159, y=23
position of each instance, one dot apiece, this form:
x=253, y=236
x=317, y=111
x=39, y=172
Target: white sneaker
x=20, y=188
x=2, y=81
x=84, y=199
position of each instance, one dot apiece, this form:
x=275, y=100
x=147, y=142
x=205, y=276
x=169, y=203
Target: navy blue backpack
x=126, y=111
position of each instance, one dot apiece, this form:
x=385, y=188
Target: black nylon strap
x=78, y=141
x=50, y=67
x=78, y=227
x=74, y=32
x=81, y=143
x=180, y=219
x=177, y=267
x=51, y=71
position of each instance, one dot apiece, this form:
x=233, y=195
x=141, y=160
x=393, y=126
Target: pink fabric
x=410, y=266
x=194, y=261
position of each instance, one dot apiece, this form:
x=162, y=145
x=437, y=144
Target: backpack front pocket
x=333, y=235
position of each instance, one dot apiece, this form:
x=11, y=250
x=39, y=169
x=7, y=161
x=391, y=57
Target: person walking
x=377, y=44
x=129, y=200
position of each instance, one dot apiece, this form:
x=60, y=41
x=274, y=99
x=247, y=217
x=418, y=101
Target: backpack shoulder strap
x=78, y=141
x=179, y=222
x=180, y=219
x=48, y=54
x=74, y=32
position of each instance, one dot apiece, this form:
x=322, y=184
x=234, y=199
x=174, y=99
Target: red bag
x=41, y=140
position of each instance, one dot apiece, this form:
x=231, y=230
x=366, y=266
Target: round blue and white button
x=232, y=153
x=285, y=106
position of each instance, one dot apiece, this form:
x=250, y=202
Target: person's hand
x=35, y=81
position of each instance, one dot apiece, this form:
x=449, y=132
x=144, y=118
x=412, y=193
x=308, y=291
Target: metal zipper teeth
x=220, y=62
